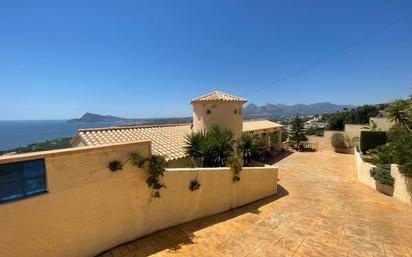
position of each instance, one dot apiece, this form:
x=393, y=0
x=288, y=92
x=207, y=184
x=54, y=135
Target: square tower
x=218, y=108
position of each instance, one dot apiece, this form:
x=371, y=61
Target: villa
x=215, y=108
x=97, y=198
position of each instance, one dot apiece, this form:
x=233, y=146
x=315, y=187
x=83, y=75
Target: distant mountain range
x=273, y=111
x=278, y=111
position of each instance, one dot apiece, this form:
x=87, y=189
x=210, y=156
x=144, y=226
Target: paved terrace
x=320, y=210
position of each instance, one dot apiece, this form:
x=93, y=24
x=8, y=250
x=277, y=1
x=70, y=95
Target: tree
x=248, y=147
x=211, y=149
x=399, y=112
x=297, y=133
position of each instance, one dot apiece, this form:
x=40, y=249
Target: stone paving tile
x=320, y=210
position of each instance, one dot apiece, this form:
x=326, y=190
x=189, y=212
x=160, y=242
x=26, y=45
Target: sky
x=139, y=59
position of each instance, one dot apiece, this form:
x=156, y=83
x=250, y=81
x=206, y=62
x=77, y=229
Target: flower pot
x=385, y=189
x=344, y=150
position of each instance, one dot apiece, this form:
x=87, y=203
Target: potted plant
x=384, y=181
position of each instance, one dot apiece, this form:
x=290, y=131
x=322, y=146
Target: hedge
x=371, y=139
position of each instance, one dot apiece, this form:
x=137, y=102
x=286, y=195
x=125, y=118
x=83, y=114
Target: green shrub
x=371, y=139
x=338, y=140
x=382, y=173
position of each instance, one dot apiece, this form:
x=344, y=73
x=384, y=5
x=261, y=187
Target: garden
x=393, y=147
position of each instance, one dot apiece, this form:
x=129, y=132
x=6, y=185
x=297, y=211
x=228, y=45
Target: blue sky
x=60, y=59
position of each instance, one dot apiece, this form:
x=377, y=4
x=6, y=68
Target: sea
x=24, y=132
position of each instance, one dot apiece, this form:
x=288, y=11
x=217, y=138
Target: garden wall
x=353, y=130
x=89, y=209
x=402, y=187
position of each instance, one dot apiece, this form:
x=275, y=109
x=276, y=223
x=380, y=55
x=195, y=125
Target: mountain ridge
x=278, y=111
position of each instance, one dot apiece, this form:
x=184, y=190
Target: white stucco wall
x=222, y=114
x=402, y=188
x=353, y=130
x=89, y=209
x=403, y=185
x=382, y=123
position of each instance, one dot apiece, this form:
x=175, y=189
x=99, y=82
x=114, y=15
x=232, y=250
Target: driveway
x=320, y=210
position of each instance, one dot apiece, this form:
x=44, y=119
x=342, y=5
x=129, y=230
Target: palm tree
x=399, y=112
x=222, y=145
x=211, y=149
x=247, y=147
x=196, y=147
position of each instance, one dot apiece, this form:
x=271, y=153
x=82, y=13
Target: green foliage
x=236, y=166
x=361, y=114
x=297, y=133
x=398, y=150
x=401, y=146
x=336, y=121
x=58, y=143
x=211, y=149
x=315, y=131
x=371, y=139
x=399, y=111
x=338, y=140
x=137, y=160
x=157, y=166
x=382, y=173
x=194, y=185
x=248, y=148
x=358, y=115
x=115, y=166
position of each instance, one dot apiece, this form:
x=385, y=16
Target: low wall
x=402, y=188
x=363, y=171
x=403, y=185
x=89, y=209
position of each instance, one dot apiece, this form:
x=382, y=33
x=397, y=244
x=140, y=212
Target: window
x=22, y=179
x=235, y=112
x=240, y=111
x=208, y=111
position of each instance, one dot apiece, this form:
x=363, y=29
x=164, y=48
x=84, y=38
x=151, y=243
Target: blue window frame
x=22, y=179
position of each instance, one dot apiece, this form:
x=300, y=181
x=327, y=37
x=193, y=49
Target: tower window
x=208, y=111
x=235, y=111
x=240, y=111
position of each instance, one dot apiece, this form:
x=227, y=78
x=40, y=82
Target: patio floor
x=320, y=210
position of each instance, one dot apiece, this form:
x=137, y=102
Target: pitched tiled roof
x=218, y=96
x=256, y=125
x=168, y=140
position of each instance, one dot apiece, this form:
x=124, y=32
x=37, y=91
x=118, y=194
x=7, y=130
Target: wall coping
x=218, y=168
x=67, y=151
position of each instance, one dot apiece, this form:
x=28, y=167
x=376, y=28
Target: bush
x=382, y=174
x=371, y=139
x=398, y=150
x=338, y=140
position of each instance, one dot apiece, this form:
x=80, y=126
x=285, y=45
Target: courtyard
x=321, y=209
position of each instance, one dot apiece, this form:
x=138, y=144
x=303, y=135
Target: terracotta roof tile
x=168, y=140
x=218, y=96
